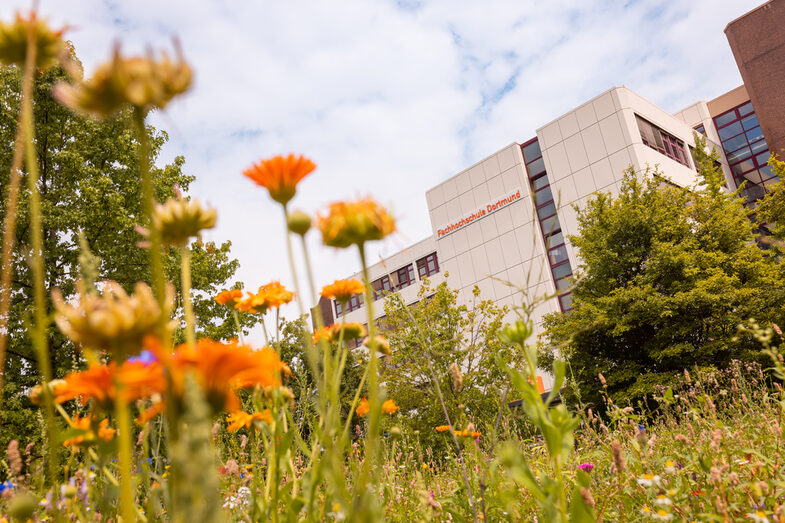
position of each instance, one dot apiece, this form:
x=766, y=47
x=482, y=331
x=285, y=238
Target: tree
x=667, y=275
x=89, y=187
x=771, y=209
x=429, y=338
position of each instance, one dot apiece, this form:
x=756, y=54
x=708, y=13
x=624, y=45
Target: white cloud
x=389, y=98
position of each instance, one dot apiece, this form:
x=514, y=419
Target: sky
x=388, y=98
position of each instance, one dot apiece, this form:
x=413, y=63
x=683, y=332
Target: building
x=507, y=218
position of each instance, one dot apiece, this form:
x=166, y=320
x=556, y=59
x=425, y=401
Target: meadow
x=154, y=423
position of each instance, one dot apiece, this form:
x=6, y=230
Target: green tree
x=667, y=275
x=438, y=335
x=771, y=209
x=89, y=186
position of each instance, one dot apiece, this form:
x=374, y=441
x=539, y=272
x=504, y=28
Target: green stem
x=237, y=324
x=190, y=321
x=372, y=438
x=123, y=415
x=148, y=202
x=38, y=333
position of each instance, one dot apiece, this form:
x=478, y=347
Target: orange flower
x=354, y=223
x=351, y=330
x=343, y=290
x=270, y=295
x=151, y=412
x=443, y=428
x=280, y=175
x=89, y=435
x=50, y=46
x=240, y=419
x=232, y=295
x=221, y=368
x=389, y=407
x=363, y=408
x=99, y=383
x=379, y=342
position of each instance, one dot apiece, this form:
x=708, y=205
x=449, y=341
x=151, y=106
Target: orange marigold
x=363, y=408
x=233, y=295
x=343, y=290
x=221, y=368
x=240, y=419
x=443, y=428
x=90, y=432
x=99, y=383
x=280, y=175
x=270, y=295
x=389, y=407
x=354, y=223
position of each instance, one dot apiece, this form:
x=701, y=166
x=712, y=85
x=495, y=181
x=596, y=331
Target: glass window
x=536, y=167
x=354, y=303
x=338, y=309
x=554, y=239
x=742, y=167
x=550, y=225
x=558, y=254
x=725, y=118
x=745, y=109
x=531, y=151
x=543, y=196
x=662, y=141
x=754, y=134
x=539, y=182
x=566, y=302
x=701, y=129
x=428, y=265
x=750, y=122
x=546, y=211
x=405, y=276
x=763, y=158
x=563, y=284
x=730, y=130
x=766, y=172
x=759, y=146
x=741, y=154
x=734, y=143
x=562, y=271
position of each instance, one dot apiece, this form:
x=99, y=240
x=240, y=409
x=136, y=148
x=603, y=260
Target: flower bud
x=299, y=223
x=23, y=505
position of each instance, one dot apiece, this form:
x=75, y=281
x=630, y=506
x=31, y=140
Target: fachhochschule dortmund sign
x=481, y=212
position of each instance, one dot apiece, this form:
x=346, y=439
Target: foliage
x=438, y=333
x=771, y=209
x=667, y=274
x=89, y=186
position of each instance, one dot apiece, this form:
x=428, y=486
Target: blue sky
x=389, y=98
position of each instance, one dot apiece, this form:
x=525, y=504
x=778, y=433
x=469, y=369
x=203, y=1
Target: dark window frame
x=428, y=265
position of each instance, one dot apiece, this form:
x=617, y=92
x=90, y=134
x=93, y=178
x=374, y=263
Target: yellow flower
x=240, y=419
x=114, y=321
x=139, y=81
x=389, y=407
x=363, y=408
x=280, y=175
x=379, y=343
x=179, y=219
x=354, y=223
x=50, y=46
x=343, y=290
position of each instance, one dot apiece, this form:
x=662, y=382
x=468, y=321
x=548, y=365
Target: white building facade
x=508, y=217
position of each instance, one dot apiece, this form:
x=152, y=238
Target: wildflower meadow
x=157, y=419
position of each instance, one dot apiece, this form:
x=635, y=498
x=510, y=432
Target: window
x=354, y=303
x=665, y=143
x=381, y=286
x=428, y=265
x=549, y=221
x=404, y=277
x=746, y=150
